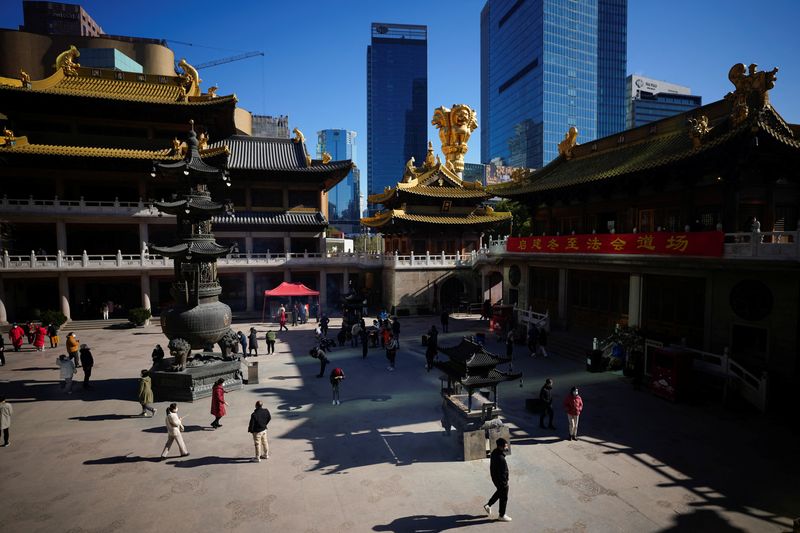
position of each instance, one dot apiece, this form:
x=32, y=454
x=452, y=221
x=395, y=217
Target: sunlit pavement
x=87, y=462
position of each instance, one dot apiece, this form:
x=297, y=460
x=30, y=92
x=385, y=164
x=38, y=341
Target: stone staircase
x=84, y=325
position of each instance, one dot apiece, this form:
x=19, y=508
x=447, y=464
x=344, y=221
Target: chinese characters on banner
x=703, y=243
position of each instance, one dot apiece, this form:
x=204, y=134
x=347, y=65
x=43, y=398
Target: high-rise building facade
x=397, y=101
x=271, y=127
x=547, y=65
x=344, y=200
x=649, y=100
x=55, y=18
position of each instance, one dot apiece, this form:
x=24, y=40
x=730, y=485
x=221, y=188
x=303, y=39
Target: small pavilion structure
x=287, y=290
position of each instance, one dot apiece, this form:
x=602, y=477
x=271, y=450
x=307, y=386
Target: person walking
x=445, y=320
x=498, y=469
x=157, y=354
x=533, y=340
x=87, y=362
x=282, y=319
x=432, y=349
x=174, y=428
x=396, y=329
x=486, y=310
x=52, y=332
x=295, y=312
x=242, y=341
x=2, y=351
x=72, y=348
x=270, y=338
x=40, y=332
x=253, y=342
x=67, y=369
x=30, y=332
x=303, y=314
x=104, y=310
x=542, y=345
x=218, y=402
x=337, y=375
x=323, y=324
x=259, y=420
x=16, y=334
x=146, y=394
x=5, y=419
x=391, y=352
x=364, y=342
x=355, y=334
x=573, y=404
x=546, y=397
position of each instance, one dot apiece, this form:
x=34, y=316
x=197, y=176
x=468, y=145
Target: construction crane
x=230, y=59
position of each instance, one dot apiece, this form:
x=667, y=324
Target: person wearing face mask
x=573, y=404
x=498, y=468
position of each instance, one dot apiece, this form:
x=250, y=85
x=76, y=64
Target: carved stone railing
x=57, y=206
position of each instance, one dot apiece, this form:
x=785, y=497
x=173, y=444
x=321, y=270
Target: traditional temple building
x=685, y=228
x=76, y=161
x=432, y=209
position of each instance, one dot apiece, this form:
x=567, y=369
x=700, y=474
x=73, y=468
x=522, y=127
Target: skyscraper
x=649, y=100
x=397, y=101
x=547, y=65
x=344, y=210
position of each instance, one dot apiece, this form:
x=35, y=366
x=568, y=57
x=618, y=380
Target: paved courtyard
x=380, y=461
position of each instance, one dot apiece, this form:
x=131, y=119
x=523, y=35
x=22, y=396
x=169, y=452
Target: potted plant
x=139, y=316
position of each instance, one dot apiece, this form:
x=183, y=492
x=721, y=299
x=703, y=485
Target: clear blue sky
x=315, y=64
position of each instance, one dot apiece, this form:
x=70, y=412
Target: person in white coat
x=5, y=419
x=68, y=370
x=174, y=428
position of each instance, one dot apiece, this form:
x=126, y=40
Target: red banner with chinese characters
x=701, y=243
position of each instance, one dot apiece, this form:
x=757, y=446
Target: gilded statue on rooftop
x=66, y=61
x=455, y=128
x=570, y=140
x=698, y=128
x=751, y=92
x=191, y=78
x=298, y=136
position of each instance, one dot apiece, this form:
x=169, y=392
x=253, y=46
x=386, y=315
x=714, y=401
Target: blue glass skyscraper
x=547, y=65
x=344, y=209
x=397, y=101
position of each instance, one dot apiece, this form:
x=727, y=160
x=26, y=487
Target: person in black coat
x=432, y=349
x=445, y=319
x=364, y=342
x=87, y=362
x=253, y=342
x=318, y=353
x=546, y=396
x=498, y=468
x=259, y=420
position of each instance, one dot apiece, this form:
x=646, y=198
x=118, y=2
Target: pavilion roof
x=480, y=216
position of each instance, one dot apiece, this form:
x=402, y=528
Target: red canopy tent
x=287, y=290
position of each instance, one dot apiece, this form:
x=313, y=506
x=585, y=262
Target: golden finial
x=298, y=136
x=455, y=128
x=570, y=140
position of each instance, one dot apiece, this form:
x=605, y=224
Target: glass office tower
x=547, y=65
x=397, y=101
x=344, y=209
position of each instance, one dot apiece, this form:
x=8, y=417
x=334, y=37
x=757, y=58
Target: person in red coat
x=218, y=403
x=573, y=404
x=17, y=335
x=38, y=341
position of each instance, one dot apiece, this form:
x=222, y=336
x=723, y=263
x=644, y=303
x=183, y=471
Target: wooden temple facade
x=685, y=228
x=76, y=162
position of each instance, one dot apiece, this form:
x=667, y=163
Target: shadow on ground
x=432, y=523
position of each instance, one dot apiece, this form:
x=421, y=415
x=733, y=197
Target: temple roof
x=204, y=249
x=471, y=354
x=652, y=146
x=116, y=85
x=480, y=216
x=290, y=218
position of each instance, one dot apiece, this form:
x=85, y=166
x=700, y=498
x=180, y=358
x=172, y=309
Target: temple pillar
x=250, y=290
x=145, y=284
x=63, y=294
x=323, y=290
x=248, y=244
x=3, y=313
x=287, y=244
x=635, y=300
x=563, y=281
x=61, y=235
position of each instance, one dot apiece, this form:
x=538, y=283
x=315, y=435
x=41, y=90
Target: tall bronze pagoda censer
x=199, y=320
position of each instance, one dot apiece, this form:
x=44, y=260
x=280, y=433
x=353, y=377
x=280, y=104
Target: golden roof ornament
x=751, y=93
x=8, y=134
x=202, y=141
x=66, y=61
x=455, y=127
x=190, y=77
x=430, y=160
x=411, y=171
x=698, y=128
x=326, y=158
x=298, y=136
x=212, y=91
x=24, y=77
x=570, y=141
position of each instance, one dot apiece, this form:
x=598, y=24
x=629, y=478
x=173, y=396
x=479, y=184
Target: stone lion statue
x=180, y=349
x=227, y=344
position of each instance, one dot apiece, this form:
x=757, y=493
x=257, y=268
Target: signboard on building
x=698, y=244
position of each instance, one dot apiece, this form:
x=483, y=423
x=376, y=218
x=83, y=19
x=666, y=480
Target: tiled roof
x=385, y=217
x=106, y=83
x=493, y=377
x=205, y=248
x=472, y=354
x=20, y=145
x=636, y=151
x=261, y=153
x=274, y=219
